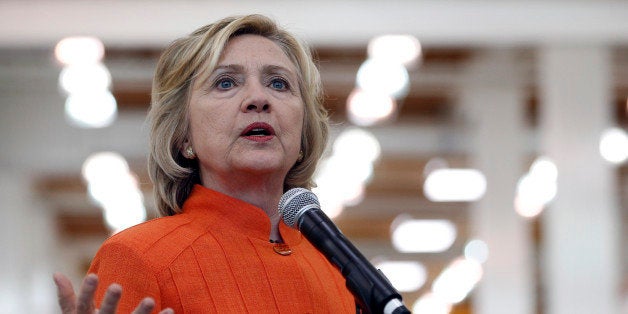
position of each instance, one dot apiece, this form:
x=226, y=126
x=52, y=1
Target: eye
x=225, y=83
x=279, y=84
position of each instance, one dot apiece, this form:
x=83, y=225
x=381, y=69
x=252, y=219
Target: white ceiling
x=41, y=23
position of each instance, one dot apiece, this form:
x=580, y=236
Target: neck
x=261, y=191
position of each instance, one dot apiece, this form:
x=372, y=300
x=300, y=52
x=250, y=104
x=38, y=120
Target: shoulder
x=150, y=232
x=157, y=241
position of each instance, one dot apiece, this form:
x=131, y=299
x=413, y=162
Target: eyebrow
x=228, y=68
x=276, y=68
x=265, y=69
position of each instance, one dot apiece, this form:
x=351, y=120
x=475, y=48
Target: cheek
x=301, y=118
x=196, y=126
x=213, y=132
x=201, y=126
x=298, y=125
x=293, y=117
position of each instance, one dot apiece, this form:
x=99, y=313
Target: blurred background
x=477, y=158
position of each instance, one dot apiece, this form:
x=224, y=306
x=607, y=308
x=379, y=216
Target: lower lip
x=260, y=139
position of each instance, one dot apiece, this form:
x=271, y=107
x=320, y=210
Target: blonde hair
x=180, y=65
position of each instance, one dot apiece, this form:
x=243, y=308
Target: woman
x=236, y=120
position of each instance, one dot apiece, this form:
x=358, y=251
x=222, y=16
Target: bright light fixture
x=103, y=172
x=536, y=188
x=405, y=276
x=544, y=168
x=614, y=145
x=124, y=210
x=75, y=50
x=423, y=235
x=404, y=49
x=476, y=250
x=430, y=303
x=337, y=189
x=331, y=203
x=454, y=185
x=369, y=108
x=350, y=168
x=91, y=110
x=86, y=82
x=114, y=188
x=457, y=280
x=85, y=78
x=358, y=144
x=383, y=77
x=533, y=193
x=341, y=177
x=103, y=165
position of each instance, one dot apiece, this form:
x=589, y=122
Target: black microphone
x=371, y=289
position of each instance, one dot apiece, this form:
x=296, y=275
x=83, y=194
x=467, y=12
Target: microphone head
x=295, y=202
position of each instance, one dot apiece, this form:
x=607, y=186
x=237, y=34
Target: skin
x=70, y=303
x=254, y=81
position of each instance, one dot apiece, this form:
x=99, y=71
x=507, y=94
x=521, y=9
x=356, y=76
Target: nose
x=258, y=107
x=256, y=99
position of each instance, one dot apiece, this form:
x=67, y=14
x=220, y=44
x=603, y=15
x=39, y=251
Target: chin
x=263, y=164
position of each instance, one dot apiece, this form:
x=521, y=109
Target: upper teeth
x=258, y=131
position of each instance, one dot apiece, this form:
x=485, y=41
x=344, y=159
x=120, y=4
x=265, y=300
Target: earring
x=300, y=158
x=189, y=152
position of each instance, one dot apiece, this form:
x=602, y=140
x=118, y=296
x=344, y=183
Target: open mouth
x=257, y=132
x=258, y=129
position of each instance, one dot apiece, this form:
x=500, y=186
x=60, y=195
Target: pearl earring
x=189, y=152
x=300, y=158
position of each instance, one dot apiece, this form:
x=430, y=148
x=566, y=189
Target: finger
x=85, y=304
x=167, y=311
x=145, y=307
x=112, y=297
x=65, y=293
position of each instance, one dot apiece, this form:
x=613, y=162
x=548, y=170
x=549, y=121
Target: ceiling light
x=457, y=280
x=369, y=108
x=405, y=276
x=91, y=110
x=75, y=50
x=454, y=185
x=404, y=49
x=383, y=77
x=614, y=145
x=422, y=235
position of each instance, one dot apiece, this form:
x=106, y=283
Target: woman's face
x=247, y=117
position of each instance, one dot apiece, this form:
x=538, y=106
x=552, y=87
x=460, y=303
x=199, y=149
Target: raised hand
x=84, y=303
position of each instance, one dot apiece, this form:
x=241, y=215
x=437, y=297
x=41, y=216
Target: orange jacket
x=215, y=257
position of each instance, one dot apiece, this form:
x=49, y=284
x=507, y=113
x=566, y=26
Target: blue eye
x=279, y=84
x=225, y=83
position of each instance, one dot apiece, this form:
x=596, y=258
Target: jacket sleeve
x=118, y=263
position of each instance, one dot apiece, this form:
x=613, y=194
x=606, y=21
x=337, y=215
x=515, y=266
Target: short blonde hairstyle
x=195, y=55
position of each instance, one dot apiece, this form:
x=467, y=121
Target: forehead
x=254, y=49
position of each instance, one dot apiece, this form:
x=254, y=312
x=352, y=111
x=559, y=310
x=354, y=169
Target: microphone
x=372, y=291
